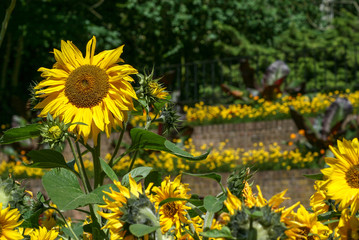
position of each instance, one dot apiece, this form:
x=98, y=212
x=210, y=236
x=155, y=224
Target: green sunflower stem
x=208, y=220
x=132, y=161
x=68, y=225
x=81, y=169
x=118, y=144
x=97, y=164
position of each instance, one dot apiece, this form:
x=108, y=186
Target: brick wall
x=244, y=135
x=299, y=187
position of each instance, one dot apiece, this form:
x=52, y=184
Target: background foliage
x=169, y=32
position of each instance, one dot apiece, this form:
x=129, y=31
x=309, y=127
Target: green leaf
x=224, y=232
x=17, y=134
x=143, y=139
x=47, y=158
x=140, y=230
x=98, y=193
x=212, y=204
x=317, y=176
x=77, y=229
x=193, y=201
x=213, y=176
x=137, y=174
x=153, y=177
x=328, y=215
x=108, y=170
x=64, y=189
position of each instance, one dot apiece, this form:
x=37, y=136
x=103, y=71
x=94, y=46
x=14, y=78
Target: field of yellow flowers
x=221, y=159
x=260, y=109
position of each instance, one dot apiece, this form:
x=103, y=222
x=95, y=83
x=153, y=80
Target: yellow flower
x=157, y=90
x=305, y=223
x=343, y=175
x=43, y=234
x=172, y=213
x=317, y=200
x=348, y=227
x=94, y=89
x=9, y=220
x=118, y=228
x=232, y=203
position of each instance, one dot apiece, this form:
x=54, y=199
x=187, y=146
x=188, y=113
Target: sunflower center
x=170, y=209
x=352, y=176
x=304, y=231
x=86, y=86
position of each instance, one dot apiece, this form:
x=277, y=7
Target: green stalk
x=68, y=225
x=96, y=163
x=133, y=161
x=81, y=170
x=118, y=144
x=6, y=20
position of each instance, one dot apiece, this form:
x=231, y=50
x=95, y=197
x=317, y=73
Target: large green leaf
x=212, y=204
x=137, y=174
x=17, y=134
x=108, y=170
x=64, y=190
x=140, y=230
x=224, y=232
x=213, y=176
x=47, y=158
x=143, y=139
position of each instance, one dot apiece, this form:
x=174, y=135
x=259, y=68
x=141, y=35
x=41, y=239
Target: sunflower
x=348, y=227
x=172, y=213
x=157, y=90
x=93, y=90
x=9, y=220
x=125, y=209
x=43, y=234
x=305, y=223
x=317, y=200
x=342, y=176
x=232, y=203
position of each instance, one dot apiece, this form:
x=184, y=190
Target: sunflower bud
x=54, y=132
x=237, y=180
x=11, y=193
x=170, y=118
x=150, y=90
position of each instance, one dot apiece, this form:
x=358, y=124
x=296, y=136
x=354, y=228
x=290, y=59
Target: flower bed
x=260, y=109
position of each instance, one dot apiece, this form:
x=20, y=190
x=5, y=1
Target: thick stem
x=81, y=170
x=118, y=144
x=133, y=161
x=83, y=167
x=96, y=163
x=68, y=225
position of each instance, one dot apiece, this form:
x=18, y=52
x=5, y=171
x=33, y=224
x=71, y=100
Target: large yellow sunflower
x=172, y=214
x=115, y=223
x=343, y=175
x=94, y=89
x=43, y=234
x=305, y=223
x=9, y=220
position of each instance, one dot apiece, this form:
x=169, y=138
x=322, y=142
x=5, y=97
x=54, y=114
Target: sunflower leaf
x=108, y=170
x=224, y=232
x=137, y=174
x=64, y=190
x=143, y=139
x=47, y=158
x=317, y=176
x=193, y=201
x=140, y=230
x=212, y=204
x=21, y=133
